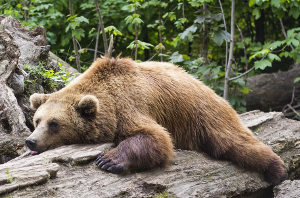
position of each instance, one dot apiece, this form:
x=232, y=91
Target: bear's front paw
x=110, y=162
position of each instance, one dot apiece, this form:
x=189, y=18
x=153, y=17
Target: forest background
x=219, y=42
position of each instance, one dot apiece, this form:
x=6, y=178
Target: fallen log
x=271, y=92
x=70, y=171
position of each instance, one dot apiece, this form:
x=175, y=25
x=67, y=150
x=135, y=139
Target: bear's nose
x=31, y=143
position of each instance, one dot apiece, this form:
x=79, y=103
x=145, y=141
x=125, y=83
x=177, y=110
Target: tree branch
x=282, y=28
x=205, y=36
x=225, y=27
x=97, y=41
x=290, y=106
x=228, y=68
x=284, y=32
x=243, y=74
x=159, y=32
x=111, y=46
x=245, y=50
x=152, y=57
x=102, y=28
x=136, y=37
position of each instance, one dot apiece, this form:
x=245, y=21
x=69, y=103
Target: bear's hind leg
x=256, y=155
x=148, y=147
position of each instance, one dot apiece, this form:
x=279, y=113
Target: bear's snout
x=31, y=143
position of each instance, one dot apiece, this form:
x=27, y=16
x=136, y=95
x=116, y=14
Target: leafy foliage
x=47, y=78
x=187, y=28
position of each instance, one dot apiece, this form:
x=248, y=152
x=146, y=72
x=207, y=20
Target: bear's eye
x=37, y=122
x=53, y=125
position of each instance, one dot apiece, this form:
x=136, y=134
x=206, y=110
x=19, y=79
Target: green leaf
x=176, y=58
x=199, y=19
x=78, y=33
x=112, y=29
x=273, y=57
x=256, y=13
x=186, y=57
x=260, y=53
x=143, y=45
x=161, y=27
x=251, y=3
x=291, y=33
x=137, y=21
x=165, y=15
x=128, y=8
x=159, y=47
x=190, y=30
x=82, y=19
x=245, y=90
x=92, y=30
x=71, y=18
x=220, y=36
x=128, y=19
x=297, y=80
x=276, y=3
x=172, y=16
x=262, y=64
x=276, y=44
x=136, y=15
x=295, y=42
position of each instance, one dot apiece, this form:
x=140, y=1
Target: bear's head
x=61, y=120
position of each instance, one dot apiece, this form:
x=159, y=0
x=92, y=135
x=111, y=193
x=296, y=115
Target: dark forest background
x=219, y=42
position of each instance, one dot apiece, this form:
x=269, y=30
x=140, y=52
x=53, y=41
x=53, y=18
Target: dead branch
x=284, y=32
x=102, y=28
x=111, y=46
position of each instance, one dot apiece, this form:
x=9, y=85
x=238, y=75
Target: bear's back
x=179, y=102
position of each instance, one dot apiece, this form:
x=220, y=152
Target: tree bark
x=260, y=28
x=230, y=58
x=19, y=47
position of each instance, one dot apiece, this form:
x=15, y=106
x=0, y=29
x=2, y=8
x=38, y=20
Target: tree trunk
x=260, y=28
x=19, y=47
x=230, y=58
x=273, y=91
x=205, y=36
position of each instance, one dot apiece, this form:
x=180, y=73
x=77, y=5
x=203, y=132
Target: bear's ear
x=88, y=106
x=37, y=100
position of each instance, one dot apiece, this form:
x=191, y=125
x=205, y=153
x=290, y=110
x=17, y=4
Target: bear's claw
x=100, y=156
x=102, y=162
x=116, y=169
x=109, y=165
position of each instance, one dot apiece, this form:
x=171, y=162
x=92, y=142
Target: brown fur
x=140, y=105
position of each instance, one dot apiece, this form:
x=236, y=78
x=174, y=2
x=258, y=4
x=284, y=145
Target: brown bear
x=146, y=109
